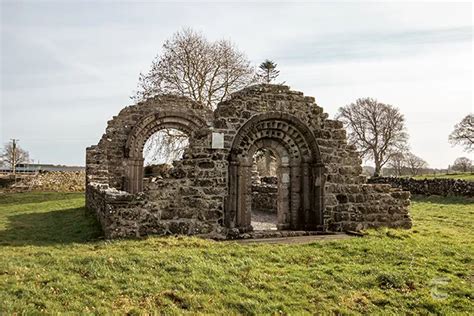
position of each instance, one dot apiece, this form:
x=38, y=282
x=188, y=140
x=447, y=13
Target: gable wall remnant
x=208, y=192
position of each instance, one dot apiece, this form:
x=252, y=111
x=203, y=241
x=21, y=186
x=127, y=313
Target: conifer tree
x=267, y=71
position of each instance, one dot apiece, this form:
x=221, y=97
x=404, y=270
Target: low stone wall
x=57, y=181
x=358, y=208
x=444, y=187
x=264, y=197
x=122, y=214
x=366, y=206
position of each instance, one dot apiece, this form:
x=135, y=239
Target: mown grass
x=53, y=260
x=461, y=176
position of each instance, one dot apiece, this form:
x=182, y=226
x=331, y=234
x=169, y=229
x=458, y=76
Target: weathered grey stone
x=209, y=192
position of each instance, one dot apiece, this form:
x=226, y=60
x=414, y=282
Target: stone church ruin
x=208, y=192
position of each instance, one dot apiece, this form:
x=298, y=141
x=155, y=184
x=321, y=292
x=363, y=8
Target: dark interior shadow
x=447, y=200
x=73, y=225
x=35, y=197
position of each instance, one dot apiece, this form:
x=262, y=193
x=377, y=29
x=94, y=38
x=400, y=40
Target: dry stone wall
x=209, y=193
x=443, y=187
x=56, y=181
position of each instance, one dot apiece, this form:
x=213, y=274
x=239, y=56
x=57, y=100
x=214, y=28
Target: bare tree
x=165, y=146
x=397, y=162
x=463, y=133
x=463, y=164
x=415, y=164
x=13, y=154
x=267, y=71
x=191, y=66
x=375, y=128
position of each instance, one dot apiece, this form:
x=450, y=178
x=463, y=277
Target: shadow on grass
x=447, y=200
x=36, y=197
x=66, y=226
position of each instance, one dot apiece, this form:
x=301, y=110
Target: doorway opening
x=266, y=190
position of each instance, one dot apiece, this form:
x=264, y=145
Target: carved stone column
x=295, y=196
x=134, y=180
x=284, y=195
x=231, y=212
x=244, y=196
x=308, y=211
x=318, y=193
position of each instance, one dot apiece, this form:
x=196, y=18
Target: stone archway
x=149, y=125
x=300, y=202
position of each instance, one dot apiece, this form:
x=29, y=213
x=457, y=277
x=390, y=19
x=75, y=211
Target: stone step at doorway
x=302, y=239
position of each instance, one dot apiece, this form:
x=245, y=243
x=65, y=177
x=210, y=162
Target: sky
x=67, y=67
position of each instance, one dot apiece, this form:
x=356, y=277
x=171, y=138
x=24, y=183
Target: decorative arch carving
x=276, y=125
x=302, y=173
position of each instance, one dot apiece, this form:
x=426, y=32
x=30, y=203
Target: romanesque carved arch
x=147, y=126
x=288, y=128
x=301, y=171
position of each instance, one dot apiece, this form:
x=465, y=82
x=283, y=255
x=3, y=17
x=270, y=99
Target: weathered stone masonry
x=209, y=193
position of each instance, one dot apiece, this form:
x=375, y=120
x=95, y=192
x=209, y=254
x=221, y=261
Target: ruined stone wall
x=365, y=206
x=189, y=200
x=193, y=198
x=346, y=205
x=105, y=162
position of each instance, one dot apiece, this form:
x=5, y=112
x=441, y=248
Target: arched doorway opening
x=301, y=185
x=267, y=188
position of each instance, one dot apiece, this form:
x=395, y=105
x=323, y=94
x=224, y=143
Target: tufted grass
x=54, y=261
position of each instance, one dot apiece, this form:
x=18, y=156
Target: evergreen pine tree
x=268, y=72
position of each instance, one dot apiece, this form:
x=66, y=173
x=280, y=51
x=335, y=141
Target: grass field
x=461, y=176
x=53, y=260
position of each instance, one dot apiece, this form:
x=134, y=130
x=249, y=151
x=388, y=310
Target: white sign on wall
x=217, y=141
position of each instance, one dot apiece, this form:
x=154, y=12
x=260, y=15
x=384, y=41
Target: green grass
x=462, y=176
x=53, y=260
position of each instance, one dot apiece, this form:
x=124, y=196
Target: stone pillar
x=134, y=178
x=284, y=198
x=318, y=193
x=231, y=211
x=295, y=203
x=244, y=197
x=309, y=220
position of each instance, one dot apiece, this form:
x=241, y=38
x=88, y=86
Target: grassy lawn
x=53, y=260
x=461, y=176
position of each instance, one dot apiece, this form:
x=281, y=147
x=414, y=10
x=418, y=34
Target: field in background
x=53, y=260
x=461, y=176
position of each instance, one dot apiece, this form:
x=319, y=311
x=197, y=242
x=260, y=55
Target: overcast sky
x=69, y=66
